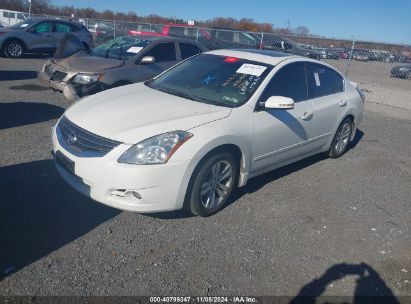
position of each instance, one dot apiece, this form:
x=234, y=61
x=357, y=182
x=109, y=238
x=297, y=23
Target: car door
x=165, y=56
x=281, y=135
x=40, y=36
x=330, y=104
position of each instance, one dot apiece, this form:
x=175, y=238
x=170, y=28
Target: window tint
x=163, y=52
x=12, y=15
x=62, y=27
x=290, y=81
x=20, y=16
x=43, y=27
x=6, y=14
x=188, y=50
x=323, y=81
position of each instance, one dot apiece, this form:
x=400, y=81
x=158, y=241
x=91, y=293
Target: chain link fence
x=382, y=70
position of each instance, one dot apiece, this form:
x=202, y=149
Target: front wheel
x=212, y=183
x=341, y=139
x=14, y=49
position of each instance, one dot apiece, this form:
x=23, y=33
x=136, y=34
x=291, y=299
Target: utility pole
x=29, y=8
x=288, y=26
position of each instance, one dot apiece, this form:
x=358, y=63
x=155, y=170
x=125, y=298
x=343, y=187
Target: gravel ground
x=346, y=221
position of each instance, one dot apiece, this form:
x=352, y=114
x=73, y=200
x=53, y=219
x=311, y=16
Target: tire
x=211, y=184
x=342, y=138
x=13, y=49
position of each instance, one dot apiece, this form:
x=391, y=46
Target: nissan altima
x=191, y=135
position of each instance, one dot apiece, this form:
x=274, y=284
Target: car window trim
x=326, y=67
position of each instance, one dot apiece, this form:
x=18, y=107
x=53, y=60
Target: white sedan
x=188, y=137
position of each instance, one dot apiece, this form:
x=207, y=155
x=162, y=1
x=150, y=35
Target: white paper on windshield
x=251, y=69
x=24, y=25
x=134, y=49
x=317, y=79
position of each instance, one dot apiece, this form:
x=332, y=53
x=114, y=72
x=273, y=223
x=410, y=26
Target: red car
x=180, y=30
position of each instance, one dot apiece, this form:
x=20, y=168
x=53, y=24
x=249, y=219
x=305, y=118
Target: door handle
x=307, y=116
x=342, y=103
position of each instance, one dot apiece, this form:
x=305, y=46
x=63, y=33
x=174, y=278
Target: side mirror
x=147, y=60
x=279, y=102
x=31, y=30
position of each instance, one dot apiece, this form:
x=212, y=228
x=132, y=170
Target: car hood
x=135, y=112
x=82, y=62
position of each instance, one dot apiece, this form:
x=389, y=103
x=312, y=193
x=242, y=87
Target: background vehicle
x=401, y=71
x=217, y=38
x=39, y=36
x=278, y=43
x=9, y=18
x=188, y=137
x=361, y=55
x=101, y=32
x=121, y=61
x=332, y=53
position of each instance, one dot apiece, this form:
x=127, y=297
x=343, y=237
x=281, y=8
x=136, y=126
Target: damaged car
x=121, y=61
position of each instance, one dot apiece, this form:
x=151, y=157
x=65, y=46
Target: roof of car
x=265, y=56
x=37, y=19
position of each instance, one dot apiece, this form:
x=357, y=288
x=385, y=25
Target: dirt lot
x=345, y=222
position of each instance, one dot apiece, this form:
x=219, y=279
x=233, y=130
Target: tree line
x=45, y=7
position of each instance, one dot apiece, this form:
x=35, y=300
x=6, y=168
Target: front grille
x=55, y=75
x=81, y=142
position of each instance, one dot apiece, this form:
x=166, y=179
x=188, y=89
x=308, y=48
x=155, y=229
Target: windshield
x=122, y=48
x=23, y=24
x=219, y=80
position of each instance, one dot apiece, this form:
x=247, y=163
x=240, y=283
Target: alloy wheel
x=216, y=184
x=14, y=49
x=343, y=137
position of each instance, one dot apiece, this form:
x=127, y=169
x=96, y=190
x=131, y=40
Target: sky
x=370, y=20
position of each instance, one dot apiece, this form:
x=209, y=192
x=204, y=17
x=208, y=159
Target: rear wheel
x=212, y=183
x=13, y=49
x=341, y=139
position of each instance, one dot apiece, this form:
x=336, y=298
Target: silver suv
x=39, y=36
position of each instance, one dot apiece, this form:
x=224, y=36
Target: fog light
x=137, y=195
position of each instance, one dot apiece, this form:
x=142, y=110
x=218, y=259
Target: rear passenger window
x=324, y=81
x=63, y=27
x=188, y=50
x=290, y=81
x=163, y=52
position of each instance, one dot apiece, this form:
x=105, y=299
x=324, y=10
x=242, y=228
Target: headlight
x=87, y=78
x=155, y=150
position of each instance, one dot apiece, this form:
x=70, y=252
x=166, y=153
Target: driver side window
x=43, y=27
x=289, y=81
x=163, y=52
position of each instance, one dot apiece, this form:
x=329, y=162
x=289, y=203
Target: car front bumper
x=140, y=188
x=64, y=85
